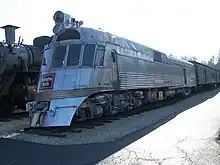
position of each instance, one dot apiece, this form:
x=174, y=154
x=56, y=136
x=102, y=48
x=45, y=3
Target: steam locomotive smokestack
x=10, y=33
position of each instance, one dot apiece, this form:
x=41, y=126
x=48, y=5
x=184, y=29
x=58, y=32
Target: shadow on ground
x=20, y=152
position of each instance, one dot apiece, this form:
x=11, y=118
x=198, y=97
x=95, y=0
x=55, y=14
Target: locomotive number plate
x=31, y=106
x=37, y=106
x=46, y=81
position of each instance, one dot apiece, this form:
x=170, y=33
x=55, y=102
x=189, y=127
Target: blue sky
x=180, y=27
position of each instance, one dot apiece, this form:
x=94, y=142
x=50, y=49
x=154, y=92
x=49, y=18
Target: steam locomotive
x=87, y=73
x=19, y=70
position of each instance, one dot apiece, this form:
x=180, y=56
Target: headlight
x=64, y=21
x=44, y=105
x=57, y=28
x=58, y=17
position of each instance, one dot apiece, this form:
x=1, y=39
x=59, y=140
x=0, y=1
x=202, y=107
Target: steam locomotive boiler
x=19, y=70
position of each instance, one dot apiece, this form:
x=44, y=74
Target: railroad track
x=15, y=116
x=79, y=126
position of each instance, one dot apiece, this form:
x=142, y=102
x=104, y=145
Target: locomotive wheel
x=20, y=95
x=186, y=92
x=6, y=107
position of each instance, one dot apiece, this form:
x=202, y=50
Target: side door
x=115, y=71
x=205, y=75
x=184, y=76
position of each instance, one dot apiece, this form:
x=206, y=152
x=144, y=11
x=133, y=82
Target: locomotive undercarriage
x=110, y=103
x=16, y=90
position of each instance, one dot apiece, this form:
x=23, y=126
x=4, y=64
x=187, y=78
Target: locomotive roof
x=195, y=62
x=98, y=35
x=180, y=60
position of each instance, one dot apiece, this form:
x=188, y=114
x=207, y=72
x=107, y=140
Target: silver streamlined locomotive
x=87, y=73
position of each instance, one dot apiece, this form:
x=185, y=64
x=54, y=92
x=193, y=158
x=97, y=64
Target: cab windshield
x=58, y=56
x=90, y=54
x=74, y=55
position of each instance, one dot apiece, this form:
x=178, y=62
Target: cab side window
x=99, y=58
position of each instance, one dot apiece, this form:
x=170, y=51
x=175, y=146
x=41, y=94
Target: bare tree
x=217, y=65
x=185, y=58
x=211, y=62
x=193, y=58
x=204, y=62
